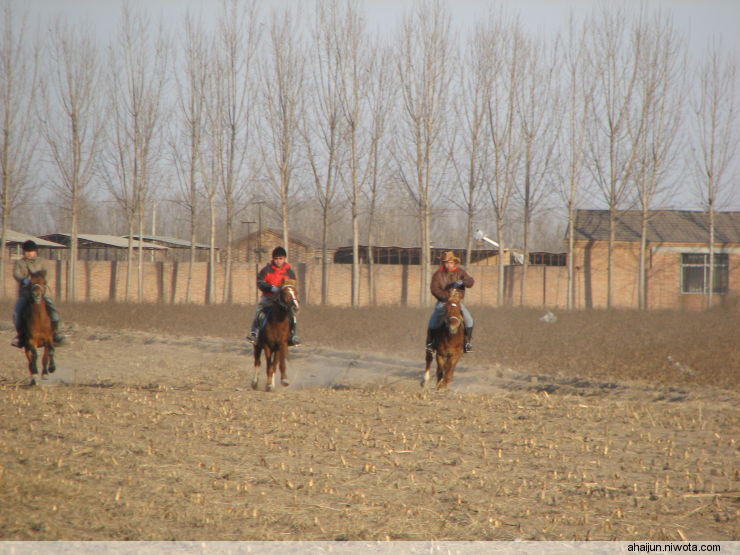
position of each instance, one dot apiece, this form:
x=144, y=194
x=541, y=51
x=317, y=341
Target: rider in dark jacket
x=269, y=280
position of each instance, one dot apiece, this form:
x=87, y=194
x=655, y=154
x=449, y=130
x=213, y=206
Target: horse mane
x=454, y=295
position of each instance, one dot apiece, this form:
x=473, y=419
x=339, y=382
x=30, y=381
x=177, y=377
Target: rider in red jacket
x=269, y=280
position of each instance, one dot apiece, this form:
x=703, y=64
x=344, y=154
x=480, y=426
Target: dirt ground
x=143, y=436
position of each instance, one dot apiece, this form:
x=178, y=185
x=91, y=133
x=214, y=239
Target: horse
x=449, y=341
x=37, y=331
x=273, y=337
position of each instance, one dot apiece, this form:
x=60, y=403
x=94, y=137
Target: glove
x=26, y=281
x=274, y=289
x=458, y=284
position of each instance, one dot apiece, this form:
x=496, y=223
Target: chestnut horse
x=273, y=337
x=448, y=341
x=36, y=329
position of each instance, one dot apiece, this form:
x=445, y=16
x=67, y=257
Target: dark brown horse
x=37, y=331
x=449, y=341
x=274, y=335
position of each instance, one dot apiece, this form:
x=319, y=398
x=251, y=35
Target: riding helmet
x=29, y=246
x=279, y=251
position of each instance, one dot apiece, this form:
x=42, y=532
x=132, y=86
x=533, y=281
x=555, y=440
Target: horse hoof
x=286, y=383
x=33, y=381
x=269, y=388
x=255, y=383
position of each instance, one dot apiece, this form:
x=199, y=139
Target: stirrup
x=17, y=343
x=294, y=341
x=59, y=339
x=468, y=347
x=430, y=348
x=252, y=336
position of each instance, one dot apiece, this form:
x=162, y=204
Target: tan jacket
x=442, y=281
x=23, y=267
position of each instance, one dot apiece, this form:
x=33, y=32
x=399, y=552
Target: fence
x=167, y=282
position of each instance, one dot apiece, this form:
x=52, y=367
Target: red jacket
x=271, y=275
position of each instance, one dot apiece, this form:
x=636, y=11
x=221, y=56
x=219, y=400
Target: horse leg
x=451, y=365
x=427, y=372
x=257, y=357
x=32, y=357
x=52, y=365
x=270, y=359
x=45, y=363
x=282, y=356
x=442, y=362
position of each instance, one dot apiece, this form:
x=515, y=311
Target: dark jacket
x=442, y=281
x=271, y=275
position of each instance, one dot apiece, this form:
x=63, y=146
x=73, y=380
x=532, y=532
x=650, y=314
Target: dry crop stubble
x=162, y=438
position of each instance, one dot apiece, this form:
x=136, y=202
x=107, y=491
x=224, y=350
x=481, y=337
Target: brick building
x=677, y=258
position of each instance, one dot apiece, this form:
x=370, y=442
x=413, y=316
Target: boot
x=293, y=341
x=58, y=337
x=468, y=338
x=18, y=341
x=252, y=335
x=430, y=341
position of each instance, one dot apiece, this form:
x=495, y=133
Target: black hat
x=279, y=251
x=29, y=246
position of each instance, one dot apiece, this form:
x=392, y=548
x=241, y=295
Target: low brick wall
x=546, y=286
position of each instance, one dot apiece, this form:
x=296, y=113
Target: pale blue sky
x=699, y=19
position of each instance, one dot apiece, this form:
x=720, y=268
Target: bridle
x=293, y=304
x=453, y=322
x=38, y=289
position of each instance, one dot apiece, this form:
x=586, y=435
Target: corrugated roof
x=108, y=240
x=664, y=226
x=18, y=237
x=171, y=240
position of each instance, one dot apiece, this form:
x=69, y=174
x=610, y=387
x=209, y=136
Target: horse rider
x=269, y=280
x=23, y=268
x=450, y=275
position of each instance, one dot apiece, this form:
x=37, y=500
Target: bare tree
x=470, y=163
x=323, y=127
x=576, y=106
x=236, y=45
x=716, y=141
x=660, y=89
x=500, y=43
x=615, y=47
x=538, y=118
x=187, y=142
x=380, y=98
x=352, y=56
x=18, y=128
x=424, y=70
x=72, y=123
x=138, y=73
x=282, y=83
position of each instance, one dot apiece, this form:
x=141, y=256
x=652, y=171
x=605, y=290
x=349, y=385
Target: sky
x=701, y=21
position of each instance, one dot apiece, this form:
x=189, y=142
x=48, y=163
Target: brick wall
x=399, y=285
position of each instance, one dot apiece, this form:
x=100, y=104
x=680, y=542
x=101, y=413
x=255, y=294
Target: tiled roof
x=105, y=240
x=664, y=226
x=18, y=237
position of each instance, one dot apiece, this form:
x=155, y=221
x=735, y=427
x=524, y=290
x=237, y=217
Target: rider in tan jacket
x=450, y=275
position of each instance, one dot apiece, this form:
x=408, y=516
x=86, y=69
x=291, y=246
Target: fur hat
x=449, y=256
x=279, y=251
x=30, y=246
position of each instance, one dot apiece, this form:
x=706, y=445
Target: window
x=695, y=273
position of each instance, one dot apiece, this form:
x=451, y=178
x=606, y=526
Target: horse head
x=38, y=285
x=453, y=315
x=288, y=296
